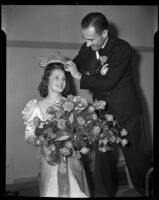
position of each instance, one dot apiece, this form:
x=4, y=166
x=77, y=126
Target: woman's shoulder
x=30, y=107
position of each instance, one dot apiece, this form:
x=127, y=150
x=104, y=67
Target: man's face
x=93, y=39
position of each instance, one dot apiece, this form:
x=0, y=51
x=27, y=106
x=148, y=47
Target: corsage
x=104, y=69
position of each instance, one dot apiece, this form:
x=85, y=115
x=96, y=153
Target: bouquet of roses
x=74, y=126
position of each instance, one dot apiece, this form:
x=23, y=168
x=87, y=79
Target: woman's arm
x=29, y=114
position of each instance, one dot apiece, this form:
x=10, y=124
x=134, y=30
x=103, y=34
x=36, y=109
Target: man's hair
x=96, y=20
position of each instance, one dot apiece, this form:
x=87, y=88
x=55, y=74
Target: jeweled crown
x=58, y=58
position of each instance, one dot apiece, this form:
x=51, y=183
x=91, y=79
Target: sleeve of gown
x=29, y=113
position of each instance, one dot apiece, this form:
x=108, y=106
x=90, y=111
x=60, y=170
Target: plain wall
x=60, y=25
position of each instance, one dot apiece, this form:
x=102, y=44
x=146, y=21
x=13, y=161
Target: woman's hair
x=43, y=86
x=96, y=20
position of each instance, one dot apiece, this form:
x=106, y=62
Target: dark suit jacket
x=116, y=87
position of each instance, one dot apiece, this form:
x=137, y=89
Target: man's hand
x=72, y=68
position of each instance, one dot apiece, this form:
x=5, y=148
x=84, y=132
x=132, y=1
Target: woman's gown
x=52, y=182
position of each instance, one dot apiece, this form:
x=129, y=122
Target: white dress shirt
x=97, y=53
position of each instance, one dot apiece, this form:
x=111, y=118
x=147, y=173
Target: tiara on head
x=44, y=61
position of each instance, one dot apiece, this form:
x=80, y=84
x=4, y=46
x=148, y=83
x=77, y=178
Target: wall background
x=40, y=30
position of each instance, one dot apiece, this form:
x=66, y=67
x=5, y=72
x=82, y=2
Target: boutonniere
x=104, y=69
x=103, y=59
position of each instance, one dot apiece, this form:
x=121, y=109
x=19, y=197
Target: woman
x=54, y=182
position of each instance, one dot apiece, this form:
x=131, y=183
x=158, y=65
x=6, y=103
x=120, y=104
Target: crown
x=58, y=58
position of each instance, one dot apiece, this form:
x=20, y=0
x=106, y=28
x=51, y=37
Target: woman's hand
x=47, y=150
x=72, y=68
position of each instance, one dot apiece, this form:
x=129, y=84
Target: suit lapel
x=106, y=52
x=94, y=65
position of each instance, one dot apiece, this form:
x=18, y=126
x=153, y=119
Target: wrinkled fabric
x=62, y=179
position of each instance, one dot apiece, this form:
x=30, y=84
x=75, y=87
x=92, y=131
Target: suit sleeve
x=81, y=58
x=118, y=64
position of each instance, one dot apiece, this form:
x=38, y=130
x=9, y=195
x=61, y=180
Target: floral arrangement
x=74, y=126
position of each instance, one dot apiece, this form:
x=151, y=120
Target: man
x=103, y=65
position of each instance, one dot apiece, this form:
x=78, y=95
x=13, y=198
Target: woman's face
x=57, y=81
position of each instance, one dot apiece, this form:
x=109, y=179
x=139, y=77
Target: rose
x=105, y=128
x=103, y=149
x=84, y=101
x=80, y=120
x=105, y=141
x=113, y=139
x=84, y=150
x=68, y=106
x=91, y=109
x=101, y=135
x=123, y=132
x=96, y=130
x=61, y=124
x=118, y=140
x=94, y=116
x=109, y=118
x=68, y=144
x=124, y=142
x=99, y=104
x=58, y=114
x=70, y=97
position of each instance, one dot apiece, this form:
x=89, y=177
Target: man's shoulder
x=120, y=42
x=85, y=51
x=84, y=47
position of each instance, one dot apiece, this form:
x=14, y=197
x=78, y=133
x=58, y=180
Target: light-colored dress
x=52, y=182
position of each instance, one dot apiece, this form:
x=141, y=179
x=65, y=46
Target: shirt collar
x=97, y=54
x=105, y=43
